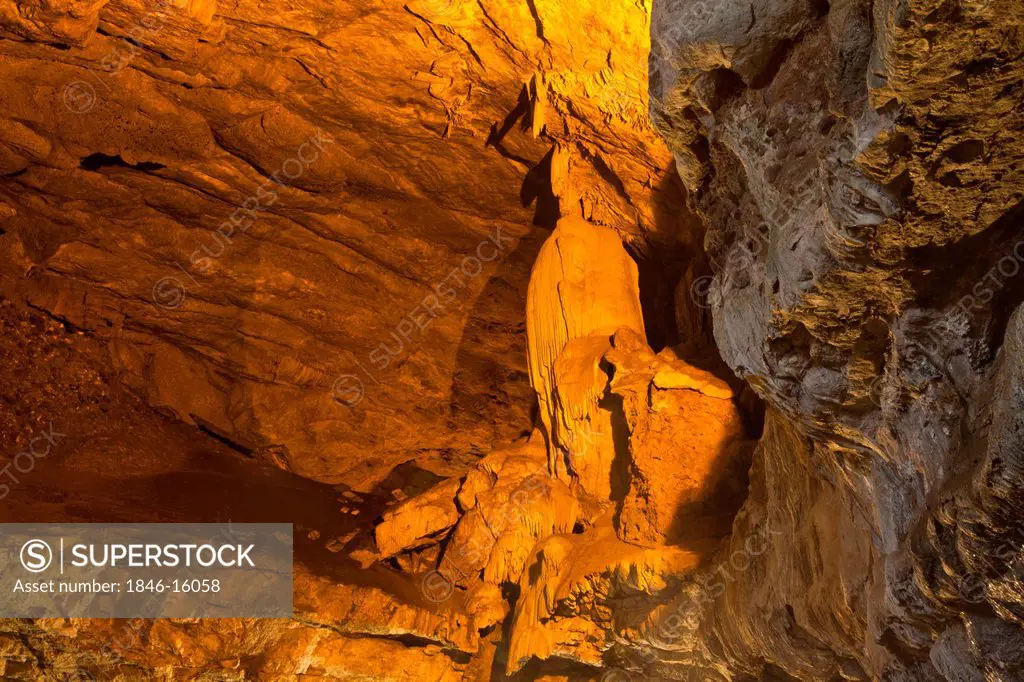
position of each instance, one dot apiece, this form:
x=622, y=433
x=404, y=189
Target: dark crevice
x=212, y=432
x=966, y=151
x=135, y=44
x=68, y=324
x=406, y=639
x=774, y=64
x=659, y=276
x=609, y=176
x=621, y=471
x=726, y=84
x=773, y=673
x=970, y=269
x=782, y=50
x=94, y=162
x=537, y=188
x=536, y=19
x=1008, y=297
x=520, y=111
x=820, y=8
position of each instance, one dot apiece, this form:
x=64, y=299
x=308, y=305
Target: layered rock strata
x=309, y=230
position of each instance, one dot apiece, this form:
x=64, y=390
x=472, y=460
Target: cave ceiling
x=272, y=214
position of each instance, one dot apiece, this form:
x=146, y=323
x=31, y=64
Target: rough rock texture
x=688, y=454
x=440, y=605
x=112, y=459
x=630, y=481
x=309, y=229
x=858, y=167
x=422, y=517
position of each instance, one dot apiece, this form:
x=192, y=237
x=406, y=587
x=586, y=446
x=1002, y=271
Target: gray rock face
x=858, y=166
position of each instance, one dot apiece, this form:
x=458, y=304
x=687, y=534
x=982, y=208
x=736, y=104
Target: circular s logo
x=169, y=293
x=348, y=390
x=36, y=556
x=437, y=587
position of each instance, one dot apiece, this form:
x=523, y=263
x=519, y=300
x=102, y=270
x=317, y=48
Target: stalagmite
x=631, y=476
x=687, y=448
x=583, y=288
x=490, y=300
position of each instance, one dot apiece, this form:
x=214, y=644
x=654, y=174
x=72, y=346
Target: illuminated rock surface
x=583, y=288
x=384, y=278
x=309, y=231
x=634, y=449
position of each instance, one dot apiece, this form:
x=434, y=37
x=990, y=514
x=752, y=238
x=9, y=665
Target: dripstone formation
x=623, y=488
x=639, y=340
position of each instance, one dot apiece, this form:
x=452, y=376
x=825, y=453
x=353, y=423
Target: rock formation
x=584, y=286
x=635, y=471
x=640, y=340
x=857, y=166
x=372, y=181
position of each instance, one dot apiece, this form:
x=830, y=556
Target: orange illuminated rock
x=308, y=228
x=260, y=234
x=583, y=287
x=687, y=446
x=511, y=503
x=635, y=452
x=584, y=439
x=412, y=524
x=576, y=586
